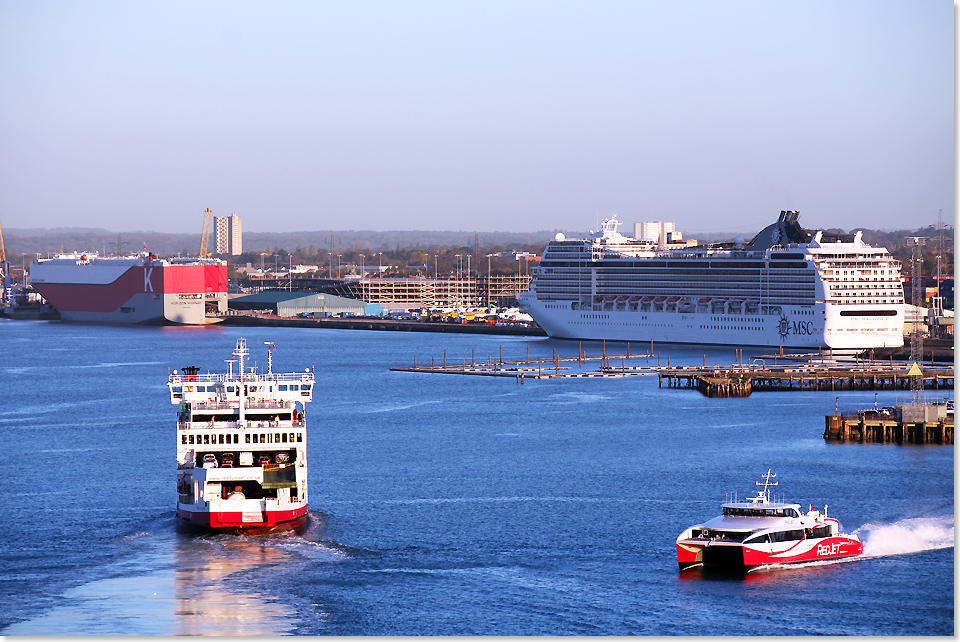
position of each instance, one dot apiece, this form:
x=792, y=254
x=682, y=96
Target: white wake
x=906, y=536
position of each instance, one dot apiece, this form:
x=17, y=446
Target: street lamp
x=361, y=267
x=338, y=265
x=379, y=263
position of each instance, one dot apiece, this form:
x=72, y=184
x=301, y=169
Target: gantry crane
x=206, y=227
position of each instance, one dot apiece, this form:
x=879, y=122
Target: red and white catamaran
x=759, y=532
x=242, y=446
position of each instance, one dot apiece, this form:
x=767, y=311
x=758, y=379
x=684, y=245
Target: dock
x=741, y=381
x=737, y=380
x=862, y=429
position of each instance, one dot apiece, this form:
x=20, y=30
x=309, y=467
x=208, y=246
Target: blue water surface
x=446, y=505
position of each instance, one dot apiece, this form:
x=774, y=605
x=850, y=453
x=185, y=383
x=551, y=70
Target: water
x=445, y=504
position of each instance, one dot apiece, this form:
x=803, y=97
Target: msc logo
x=786, y=327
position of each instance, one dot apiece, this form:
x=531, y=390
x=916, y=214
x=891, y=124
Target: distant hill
x=47, y=241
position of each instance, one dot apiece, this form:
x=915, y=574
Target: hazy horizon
x=520, y=117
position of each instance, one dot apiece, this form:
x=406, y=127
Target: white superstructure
x=787, y=287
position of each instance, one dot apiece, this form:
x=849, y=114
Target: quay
x=863, y=429
x=374, y=323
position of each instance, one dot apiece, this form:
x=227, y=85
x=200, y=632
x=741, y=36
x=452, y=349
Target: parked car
x=263, y=460
x=210, y=461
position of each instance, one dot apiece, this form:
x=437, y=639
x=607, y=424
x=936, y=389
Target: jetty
x=901, y=426
x=741, y=381
x=737, y=380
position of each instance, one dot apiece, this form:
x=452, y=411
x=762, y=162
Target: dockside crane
x=206, y=228
x=5, y=271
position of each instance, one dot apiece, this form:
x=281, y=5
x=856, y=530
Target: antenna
x=766, y=482
x=270, y=348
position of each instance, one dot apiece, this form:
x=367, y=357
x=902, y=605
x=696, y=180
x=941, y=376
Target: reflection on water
x=212, y=587
x=181, y=583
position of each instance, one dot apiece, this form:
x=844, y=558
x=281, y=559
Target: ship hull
x=131, y=294
x=243, y=523
x=796, y=327
x=740, y=557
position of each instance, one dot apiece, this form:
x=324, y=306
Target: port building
x=292, y=304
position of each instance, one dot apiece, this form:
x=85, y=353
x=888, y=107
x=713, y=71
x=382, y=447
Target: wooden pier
x=861, y=429
x=741, y=381
x=738, y=380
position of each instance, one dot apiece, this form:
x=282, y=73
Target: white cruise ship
x=787, y=287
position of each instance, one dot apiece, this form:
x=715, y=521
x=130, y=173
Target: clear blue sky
x=488, y=116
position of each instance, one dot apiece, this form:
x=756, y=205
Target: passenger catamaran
x=242, y=446
x=787, y=287
x=759, y=532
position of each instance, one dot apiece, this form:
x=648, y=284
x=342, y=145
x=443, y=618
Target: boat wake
x=906, y=536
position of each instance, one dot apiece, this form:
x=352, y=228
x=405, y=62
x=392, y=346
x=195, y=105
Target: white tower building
x=229, y=235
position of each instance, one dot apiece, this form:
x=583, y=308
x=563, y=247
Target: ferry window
x=283, y=437
x=282, y=387
x=299, y=437
x=231, y=388
x=277, y=438
x=190, y=441
x=295, y=387
x=246, y=438
x=269, y=438
x=256, y=438
x=253, y=388
x=183, y=439
x=206, y=439
x=178, y=388
x=291, y=438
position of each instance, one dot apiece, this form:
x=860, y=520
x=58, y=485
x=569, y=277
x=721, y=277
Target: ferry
x=759, y=532
x=138, y=288
x=242, y=446
x=787, y=287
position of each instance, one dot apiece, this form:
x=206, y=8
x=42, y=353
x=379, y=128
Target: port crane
x=5, y=271
x=206, y=228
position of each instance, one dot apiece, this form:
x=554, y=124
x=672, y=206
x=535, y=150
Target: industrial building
x=292, y=304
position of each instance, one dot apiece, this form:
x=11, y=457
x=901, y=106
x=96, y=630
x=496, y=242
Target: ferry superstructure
x=786, y=287
x=760, y=532
x=242, y=447
x=137, y=288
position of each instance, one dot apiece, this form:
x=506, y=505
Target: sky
x=512, y=115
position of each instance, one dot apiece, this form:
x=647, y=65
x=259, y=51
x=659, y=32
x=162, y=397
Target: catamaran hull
x=733, y=556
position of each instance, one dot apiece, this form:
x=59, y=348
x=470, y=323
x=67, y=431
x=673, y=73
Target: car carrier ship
x=242, y=447
x=137, y=288
x=787, y=287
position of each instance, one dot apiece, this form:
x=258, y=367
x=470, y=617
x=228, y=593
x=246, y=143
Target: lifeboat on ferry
x=759, y=532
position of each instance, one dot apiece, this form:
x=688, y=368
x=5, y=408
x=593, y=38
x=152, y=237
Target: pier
x=737, y=380
x=741, y=381
x=862, y=429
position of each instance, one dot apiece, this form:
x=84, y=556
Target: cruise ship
x=787, y=287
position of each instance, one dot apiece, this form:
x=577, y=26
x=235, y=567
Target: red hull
x=273, y=522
